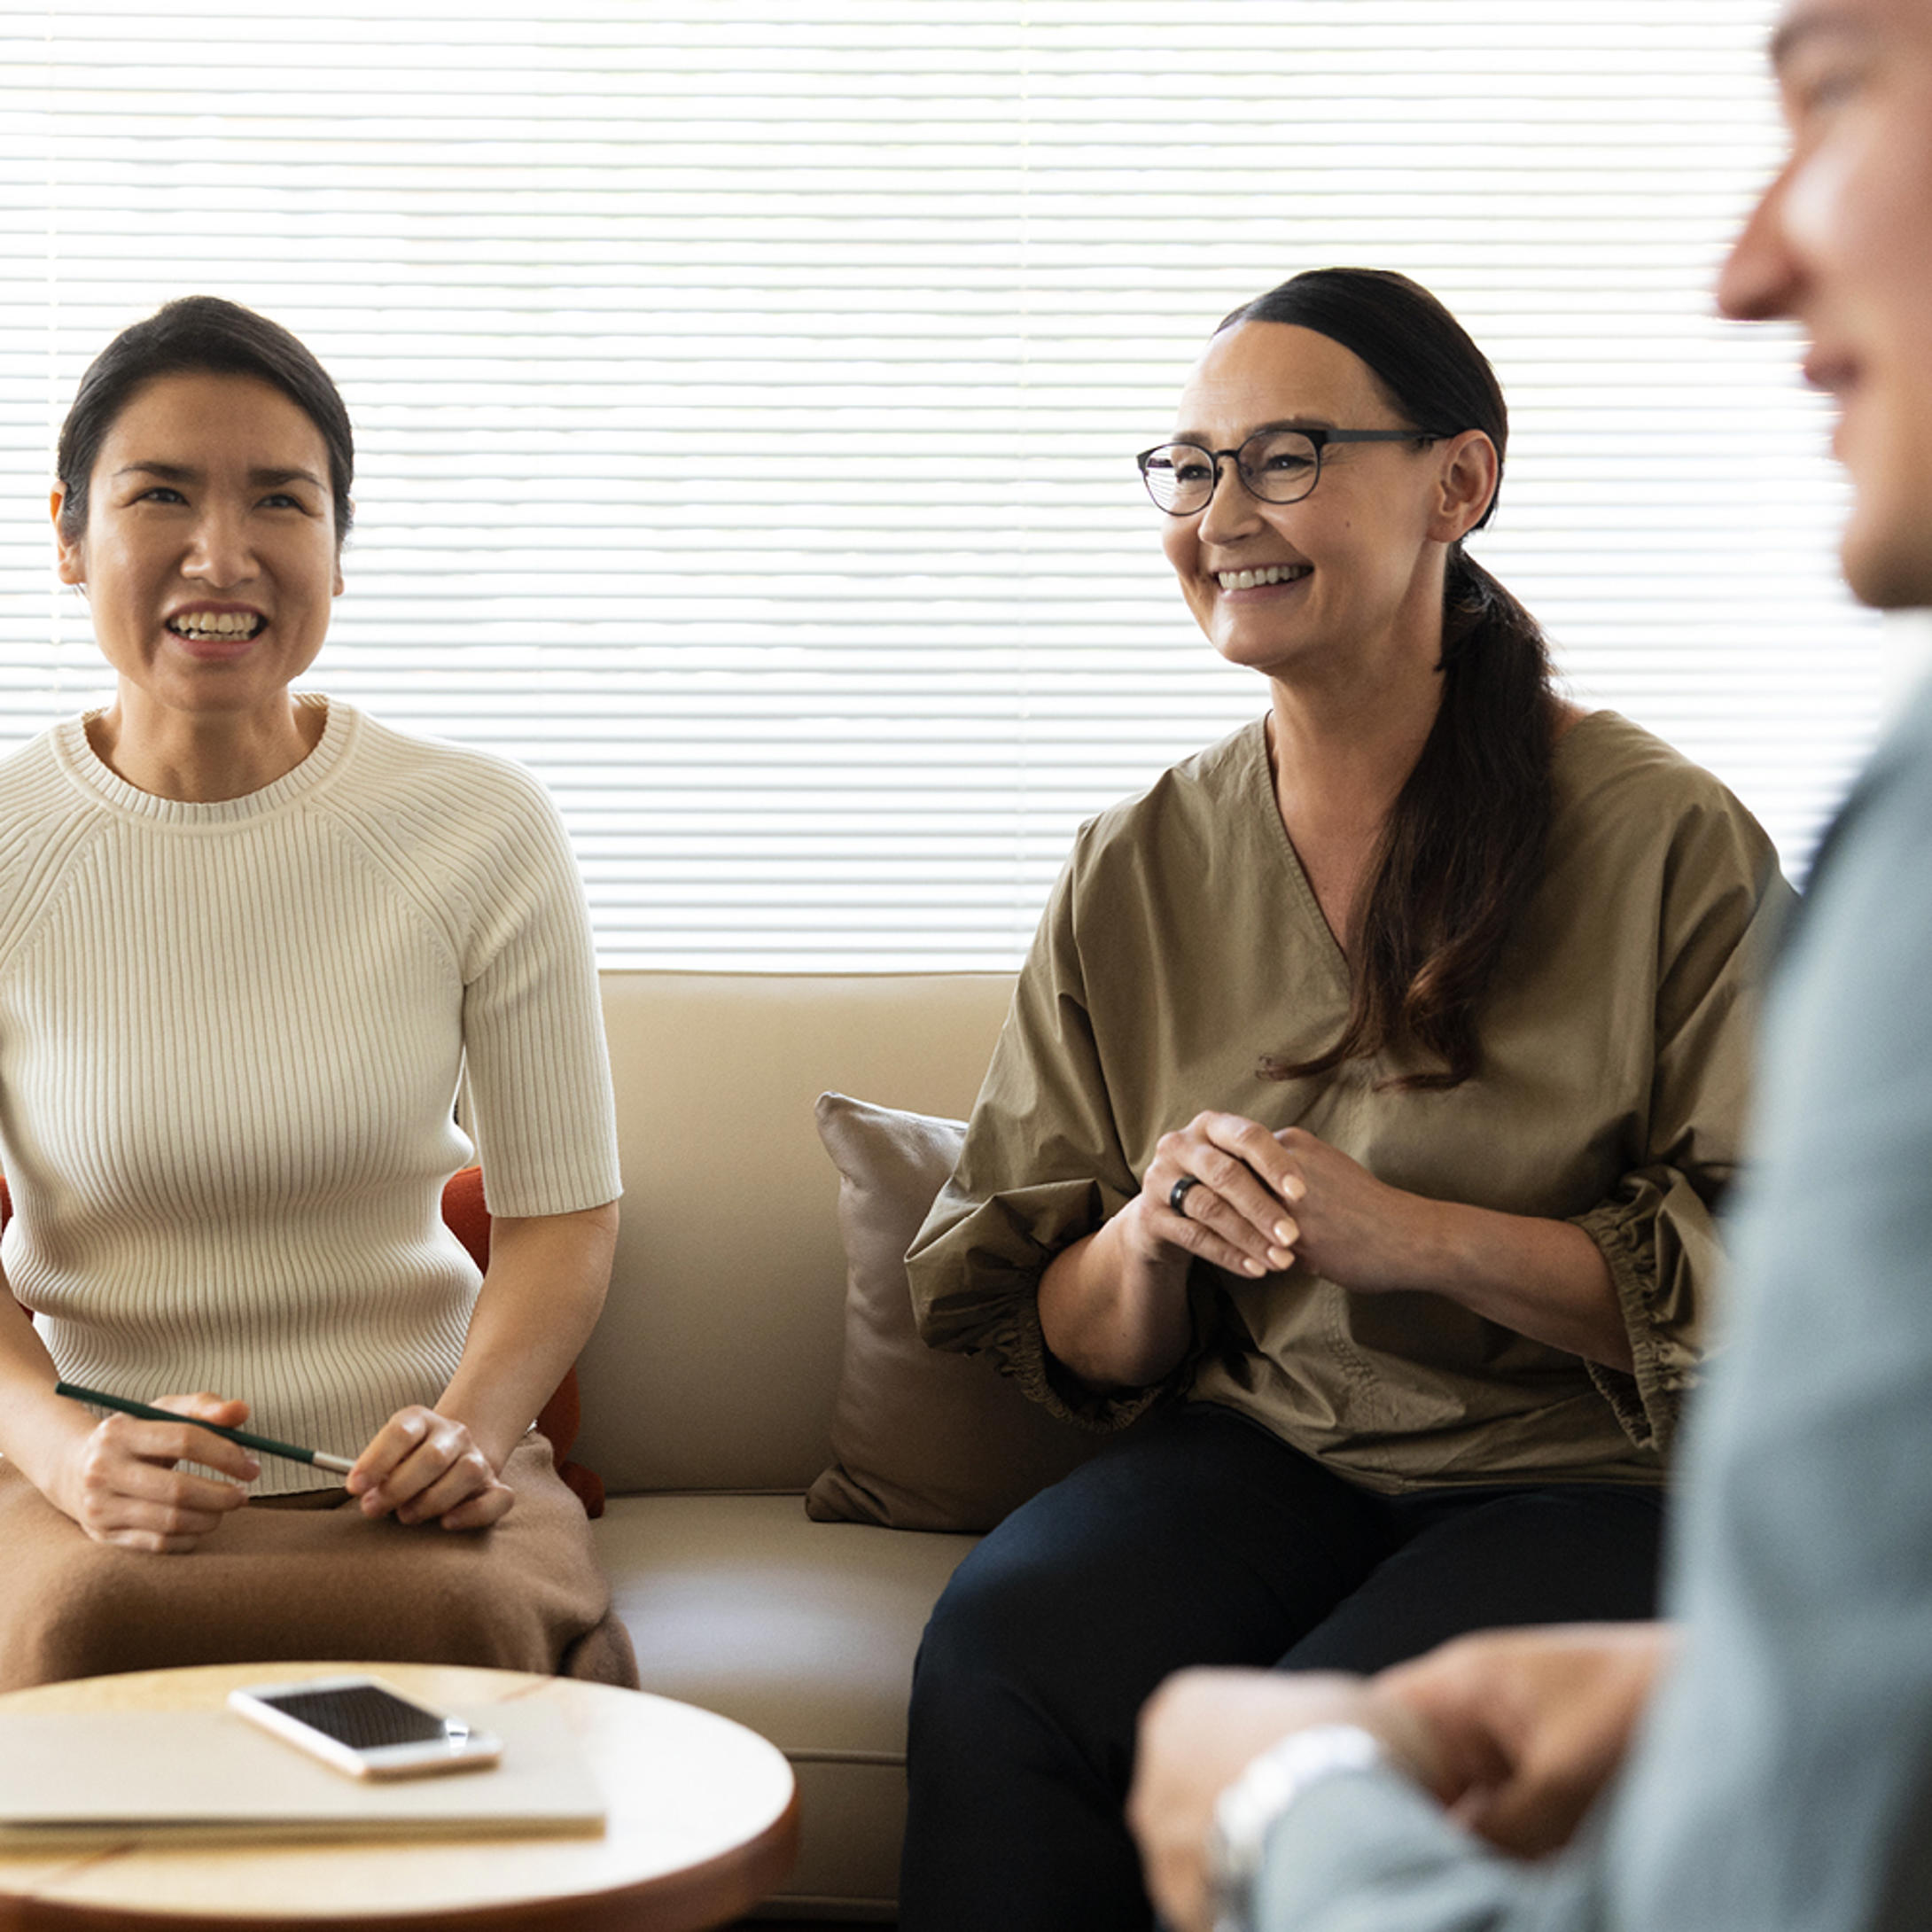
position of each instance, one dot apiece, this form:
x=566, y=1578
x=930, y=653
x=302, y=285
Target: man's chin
x=1889, y=570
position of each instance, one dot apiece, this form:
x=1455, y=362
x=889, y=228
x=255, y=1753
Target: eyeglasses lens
x=1278, y=465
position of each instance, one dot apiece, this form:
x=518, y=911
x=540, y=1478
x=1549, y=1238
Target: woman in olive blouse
x=1363, y=1109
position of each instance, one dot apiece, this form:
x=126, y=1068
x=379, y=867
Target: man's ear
x=70, y=559
x=1468, y=477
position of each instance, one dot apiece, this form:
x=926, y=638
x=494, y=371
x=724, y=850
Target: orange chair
x=469, y=1220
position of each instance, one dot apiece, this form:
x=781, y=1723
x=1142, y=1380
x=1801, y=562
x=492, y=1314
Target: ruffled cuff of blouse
x=1023, y=1355
x=1651, y=1262
x=976, y=1288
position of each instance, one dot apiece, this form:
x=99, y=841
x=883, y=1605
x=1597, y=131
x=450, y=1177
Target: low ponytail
x=1461, y=853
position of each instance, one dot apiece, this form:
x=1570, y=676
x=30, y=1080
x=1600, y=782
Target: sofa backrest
x=715, y=1363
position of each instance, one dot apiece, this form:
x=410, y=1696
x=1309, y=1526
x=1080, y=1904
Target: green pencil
x=267, y=1444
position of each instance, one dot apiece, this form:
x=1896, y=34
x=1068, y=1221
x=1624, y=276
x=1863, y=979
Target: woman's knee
x=1021, y=1660
x=80, y=1608
x=1492, y=1559
x=992, y=1626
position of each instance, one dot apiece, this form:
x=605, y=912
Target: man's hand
x=1201, y=1729
x=1516, y=1732
x=1529, y=1725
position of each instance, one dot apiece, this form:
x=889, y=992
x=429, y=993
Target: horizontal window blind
x=746, y=392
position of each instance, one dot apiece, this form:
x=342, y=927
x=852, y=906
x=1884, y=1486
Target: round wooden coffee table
x=703, y=1823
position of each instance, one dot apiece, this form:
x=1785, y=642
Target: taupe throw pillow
x=923, y=1439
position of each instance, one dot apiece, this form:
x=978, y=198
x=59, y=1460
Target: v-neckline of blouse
x=1299, y=884
x=1304, y=891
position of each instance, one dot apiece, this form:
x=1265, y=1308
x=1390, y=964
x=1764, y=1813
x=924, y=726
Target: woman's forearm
x=1116, y=1318
x=40, y=1432
x=1113, y=1307
x=1547, y=1280
x=540, y=1299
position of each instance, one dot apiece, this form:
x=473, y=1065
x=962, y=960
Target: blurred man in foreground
x=1766, y=1762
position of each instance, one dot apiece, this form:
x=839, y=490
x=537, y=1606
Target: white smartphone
x=366, y=1727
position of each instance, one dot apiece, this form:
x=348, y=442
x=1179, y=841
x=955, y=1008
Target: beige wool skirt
x=311, y=1577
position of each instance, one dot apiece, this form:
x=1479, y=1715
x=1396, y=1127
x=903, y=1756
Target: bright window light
x=747, y=392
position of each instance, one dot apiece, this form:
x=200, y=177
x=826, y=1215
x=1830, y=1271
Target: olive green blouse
x=1183, y=942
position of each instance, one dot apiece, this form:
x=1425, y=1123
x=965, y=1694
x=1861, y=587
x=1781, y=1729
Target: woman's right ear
x=69, y=557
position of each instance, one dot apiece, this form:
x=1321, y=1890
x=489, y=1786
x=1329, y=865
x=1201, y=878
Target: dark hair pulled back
x=1462, y=851
x=198, y=334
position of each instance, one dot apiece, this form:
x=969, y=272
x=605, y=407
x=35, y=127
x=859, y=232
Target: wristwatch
x=1247, y=1810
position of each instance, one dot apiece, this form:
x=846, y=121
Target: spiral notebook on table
x=201, y=1777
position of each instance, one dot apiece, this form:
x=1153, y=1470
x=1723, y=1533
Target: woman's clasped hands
x=1228, y=1190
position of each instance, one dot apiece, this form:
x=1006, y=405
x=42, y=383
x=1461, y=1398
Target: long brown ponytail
x=1462, y=851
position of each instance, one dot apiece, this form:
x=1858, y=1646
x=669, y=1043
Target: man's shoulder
x=1903, y=759
x=1889, y=804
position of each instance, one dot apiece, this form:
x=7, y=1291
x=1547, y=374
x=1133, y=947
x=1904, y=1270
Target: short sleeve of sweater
x=483, y=849
x=41, y=837
x=532, y=1025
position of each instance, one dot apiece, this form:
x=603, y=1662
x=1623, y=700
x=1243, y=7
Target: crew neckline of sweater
x=83, y=764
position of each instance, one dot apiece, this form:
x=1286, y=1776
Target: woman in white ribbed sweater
x=249, y=942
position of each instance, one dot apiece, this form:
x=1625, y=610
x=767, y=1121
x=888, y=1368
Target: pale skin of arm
x=1113, y=1306
x=118, y=1479
x=547, y=1279
x=1516, y=1732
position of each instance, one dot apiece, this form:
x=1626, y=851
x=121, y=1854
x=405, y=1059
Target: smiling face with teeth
x=210, y=554
x=1346, y=583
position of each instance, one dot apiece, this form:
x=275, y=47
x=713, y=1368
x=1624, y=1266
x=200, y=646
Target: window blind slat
x=746, y=395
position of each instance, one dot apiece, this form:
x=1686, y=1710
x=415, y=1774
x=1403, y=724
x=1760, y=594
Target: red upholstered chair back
x=469, y=1220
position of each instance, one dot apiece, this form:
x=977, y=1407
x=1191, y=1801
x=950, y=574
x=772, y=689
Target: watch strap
x=1248, y=1808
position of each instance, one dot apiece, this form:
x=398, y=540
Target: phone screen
x=365, y=1717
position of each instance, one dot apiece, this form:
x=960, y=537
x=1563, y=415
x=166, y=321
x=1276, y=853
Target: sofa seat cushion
x=804, y=1631
x=807, y=1632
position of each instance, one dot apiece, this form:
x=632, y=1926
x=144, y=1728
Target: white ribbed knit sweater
x=230, y=1037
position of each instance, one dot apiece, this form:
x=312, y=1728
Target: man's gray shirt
x=1784, y=1779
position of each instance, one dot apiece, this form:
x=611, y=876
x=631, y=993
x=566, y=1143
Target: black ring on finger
x=1176, y=1195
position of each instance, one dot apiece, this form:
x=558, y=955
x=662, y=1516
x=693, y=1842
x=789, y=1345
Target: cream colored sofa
x=709, y=1384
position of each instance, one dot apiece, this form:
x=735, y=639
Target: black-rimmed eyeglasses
x=1278, y=465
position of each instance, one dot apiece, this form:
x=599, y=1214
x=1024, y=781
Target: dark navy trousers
x=1204, y=1539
